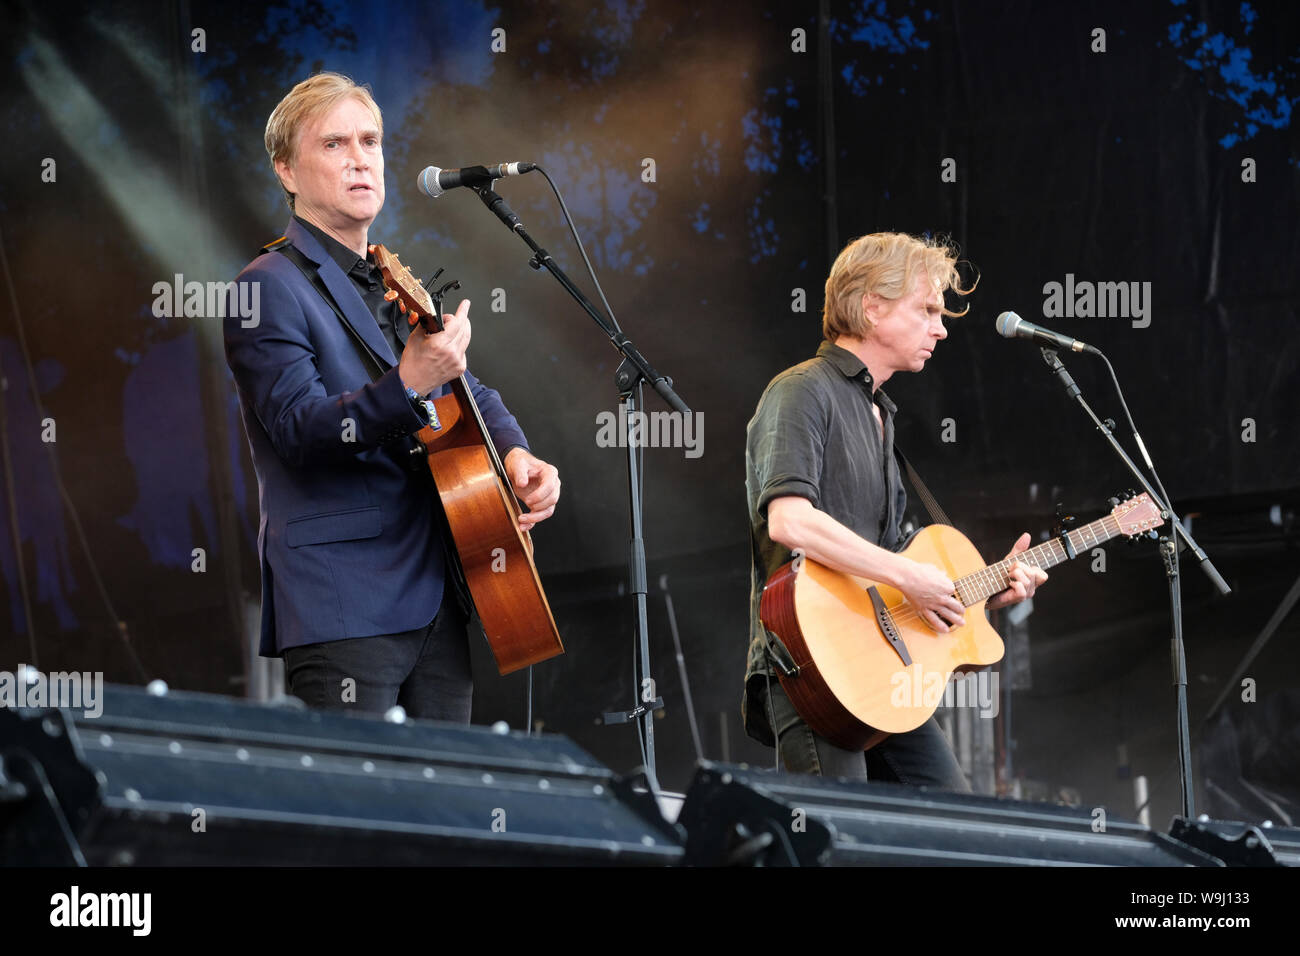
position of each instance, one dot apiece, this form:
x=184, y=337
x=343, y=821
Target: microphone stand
x=631, y=373
x=1169, y=554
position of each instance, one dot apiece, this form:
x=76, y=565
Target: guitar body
x=481, y=508
x=853, y=687
x=496, y=556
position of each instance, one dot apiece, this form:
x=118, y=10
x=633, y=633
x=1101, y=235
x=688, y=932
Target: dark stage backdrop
x=715, y=157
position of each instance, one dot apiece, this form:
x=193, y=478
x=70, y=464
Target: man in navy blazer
x=359, y=586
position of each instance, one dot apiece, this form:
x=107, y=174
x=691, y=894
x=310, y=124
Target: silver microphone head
x=427, y=182
x=1007, y=324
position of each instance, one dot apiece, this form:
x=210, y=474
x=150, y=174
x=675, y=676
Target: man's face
x=337, y=171
x=907, y=329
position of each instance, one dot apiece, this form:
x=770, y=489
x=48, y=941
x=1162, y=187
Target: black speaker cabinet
x=184, y=778
x=736, y=815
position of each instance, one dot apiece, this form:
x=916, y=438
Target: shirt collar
x=346, y=258
x=853, y=367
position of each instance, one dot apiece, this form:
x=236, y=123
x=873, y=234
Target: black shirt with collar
x=365, y=275
x=815, y=435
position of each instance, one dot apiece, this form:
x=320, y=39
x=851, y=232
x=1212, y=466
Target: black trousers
x=426, y=671
x=921, y=757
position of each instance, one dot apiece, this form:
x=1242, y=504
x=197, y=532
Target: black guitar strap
x=286, y=248
x=931, y=503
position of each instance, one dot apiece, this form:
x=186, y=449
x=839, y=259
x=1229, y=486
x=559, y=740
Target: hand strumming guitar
x=931, y=594
x=536, y=484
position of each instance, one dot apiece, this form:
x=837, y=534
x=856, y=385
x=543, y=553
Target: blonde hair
x=884, y=263
x=309, y=99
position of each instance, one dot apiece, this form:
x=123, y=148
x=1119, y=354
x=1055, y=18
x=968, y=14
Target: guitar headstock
x=1137, y=515
x=412, y=298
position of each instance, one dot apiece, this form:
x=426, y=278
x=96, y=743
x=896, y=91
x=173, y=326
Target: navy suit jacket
x=351, y=538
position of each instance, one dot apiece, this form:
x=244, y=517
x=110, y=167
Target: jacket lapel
x=344, y=292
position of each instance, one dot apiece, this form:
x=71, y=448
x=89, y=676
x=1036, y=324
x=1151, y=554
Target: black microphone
x=1013, y=326
x=433, y=182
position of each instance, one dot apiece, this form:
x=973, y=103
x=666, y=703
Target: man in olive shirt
x=821, y=476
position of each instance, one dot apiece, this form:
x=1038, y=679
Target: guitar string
x=992, y=574
x=401, y=271
x=981, y=578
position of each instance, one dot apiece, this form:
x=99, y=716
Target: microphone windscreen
x=1007, y=324
x=427, y=182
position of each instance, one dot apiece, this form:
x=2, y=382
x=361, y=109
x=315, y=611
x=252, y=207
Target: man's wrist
x=899, y=569
x=422, y=406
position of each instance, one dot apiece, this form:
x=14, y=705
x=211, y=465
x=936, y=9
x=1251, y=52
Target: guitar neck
x=993, y=578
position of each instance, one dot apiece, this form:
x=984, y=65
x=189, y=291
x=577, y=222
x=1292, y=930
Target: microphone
x=1013, y=326
x=433, y=182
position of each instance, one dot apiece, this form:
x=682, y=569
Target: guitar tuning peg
x=390, y=295
x=1114, y=502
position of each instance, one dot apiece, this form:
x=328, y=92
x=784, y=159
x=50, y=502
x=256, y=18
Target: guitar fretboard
x=993, y=578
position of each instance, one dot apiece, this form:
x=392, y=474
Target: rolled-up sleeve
x=786, y=441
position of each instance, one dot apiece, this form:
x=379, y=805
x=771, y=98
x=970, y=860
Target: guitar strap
x=931, y=503
x=286, y=248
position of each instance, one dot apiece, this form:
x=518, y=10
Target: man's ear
x=287, y=179
x=870, y=307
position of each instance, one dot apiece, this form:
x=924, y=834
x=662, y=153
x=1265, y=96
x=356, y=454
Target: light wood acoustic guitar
x=480, y=503
x=867, y=664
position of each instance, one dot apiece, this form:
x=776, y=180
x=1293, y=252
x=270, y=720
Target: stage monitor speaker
x=186, y=778
x=1240, y=844
x=736, y=815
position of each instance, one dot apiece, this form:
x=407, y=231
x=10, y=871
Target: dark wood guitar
x=868, y=664
x=480, y=503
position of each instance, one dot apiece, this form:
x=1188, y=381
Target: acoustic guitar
x=480, y=503
x=866, y=664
